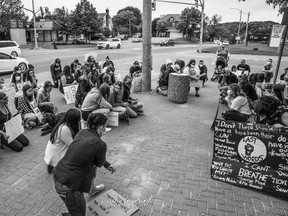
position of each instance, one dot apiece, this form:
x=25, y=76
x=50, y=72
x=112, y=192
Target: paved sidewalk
x=163, y=157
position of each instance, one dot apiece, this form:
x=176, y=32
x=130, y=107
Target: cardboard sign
x=276, y=35
x=113, y=119
x=70, y=93
x=111, y=204
x=14, y=127
x=12, y=94
x=251, y=155
x=239, y=72
x=36, y=110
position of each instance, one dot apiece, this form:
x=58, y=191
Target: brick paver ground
x=163, y=157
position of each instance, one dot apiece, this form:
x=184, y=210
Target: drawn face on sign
x=252, y=149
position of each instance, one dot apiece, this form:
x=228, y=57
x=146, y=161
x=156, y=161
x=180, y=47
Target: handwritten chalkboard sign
x=251, y=155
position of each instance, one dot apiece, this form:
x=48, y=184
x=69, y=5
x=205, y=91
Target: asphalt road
x=123, y=58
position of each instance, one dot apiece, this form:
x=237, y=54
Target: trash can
x=178, y=88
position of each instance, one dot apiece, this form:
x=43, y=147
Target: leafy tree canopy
x=136, y=12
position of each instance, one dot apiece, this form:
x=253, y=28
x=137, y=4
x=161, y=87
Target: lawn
x=251, y=49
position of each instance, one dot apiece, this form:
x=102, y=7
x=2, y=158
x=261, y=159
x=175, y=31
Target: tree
x=84, y=19
x=10, y=9
x=62, y=19
x=121, y=20
x=154, y=26
x=162, y=28
x=281, y=3
x=136, y=12
x=216, y=19
x=190, y=17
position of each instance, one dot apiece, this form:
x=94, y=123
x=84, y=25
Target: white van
x=10, y=48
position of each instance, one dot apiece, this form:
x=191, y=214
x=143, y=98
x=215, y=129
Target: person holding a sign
x=5, y=115
x=238, y=105
x=74, y=172
x=66, y=78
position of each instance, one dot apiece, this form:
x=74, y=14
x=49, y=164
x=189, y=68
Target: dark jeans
x=278, y=89
x=234, y=115
x=74, y=200
x=17, y=144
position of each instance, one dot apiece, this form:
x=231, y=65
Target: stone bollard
x=178, y=88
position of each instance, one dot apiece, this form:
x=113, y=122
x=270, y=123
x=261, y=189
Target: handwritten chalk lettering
x=266, y=135
x=226, y=158
x=230, y=142
x=275, y=145
x=260, y=168
x=283, y=190
x=253, y=133
x=252, y=175
x=226, y=124
x=277, y=154
x=264, y=128
x=230, y=180
x=245, y=127
x=221, y=135
x=241, y=133
x=219, y=140
x=283, y=167
x=279, y=181
x=280, y=173
x=256, y=186
x=281, y=138
x=220, y=129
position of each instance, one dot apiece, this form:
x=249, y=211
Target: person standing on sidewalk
x=56, y=70
x=74, y=173
x=193, y=71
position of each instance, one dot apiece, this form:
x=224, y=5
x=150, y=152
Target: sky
x=258, y=9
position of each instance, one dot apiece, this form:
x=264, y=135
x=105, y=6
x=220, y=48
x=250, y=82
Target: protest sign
x=70, y=93
x=251, y=155
x=276, y=35
x=12, y=94
x=110, y=204
x=36, y=110
x=14, y=127
x=113, y=119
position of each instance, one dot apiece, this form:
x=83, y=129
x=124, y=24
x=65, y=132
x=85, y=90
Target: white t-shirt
x=241, y=104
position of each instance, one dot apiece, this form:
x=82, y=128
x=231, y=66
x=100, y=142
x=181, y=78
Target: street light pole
x=202, y=27
x=130, y=27
x=239, y=26
x=34, y=23
x=246, y=31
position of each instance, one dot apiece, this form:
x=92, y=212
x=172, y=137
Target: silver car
x=8, y=62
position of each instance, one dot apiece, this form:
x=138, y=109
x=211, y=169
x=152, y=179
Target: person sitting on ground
x=109, y=69
x=96, y=71
x=74, y=65
x=61, y=137
x=133, y=103
x=66, y=78
x=108, y=62
x=203, y=72
x=245, y=68
x=279, y=87
x=76, y=171
x=26, y=72
x=56, y=70
x=5, y=115
x=181, y=64
x=135, y=70
x=228, y=78
x=31, y=78
x=84, y=87
x=238, y=105
x=193, y=71
x=270, y=111
x=105, y=87
x=78, y=72
x=43, y=99
x=16, y=79
x=247, y=87
x=163, y=78
x=24, y=107
x=94, y=102
x=116, y=100
x=268, y=70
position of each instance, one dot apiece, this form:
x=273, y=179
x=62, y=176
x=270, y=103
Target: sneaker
x=46, y=127
x=50, y=168
x=197, y=95
x=96, y=190
x=108, y=129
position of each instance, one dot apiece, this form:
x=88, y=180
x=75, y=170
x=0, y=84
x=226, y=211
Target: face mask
x=17, y=78
x=268, y=63
x=229, y=92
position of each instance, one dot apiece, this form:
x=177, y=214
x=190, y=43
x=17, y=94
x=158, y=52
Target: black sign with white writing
x=251, y=155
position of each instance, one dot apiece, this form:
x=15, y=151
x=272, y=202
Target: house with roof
x=171, y=21
x=106, y=19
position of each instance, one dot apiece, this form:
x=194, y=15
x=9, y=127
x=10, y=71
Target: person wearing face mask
x=56, y=70
x=193, y=71
x=238, y=105
x=268, y=70
x=16, y=79
x=74, y=173
x=135, y=70
x=203, y=72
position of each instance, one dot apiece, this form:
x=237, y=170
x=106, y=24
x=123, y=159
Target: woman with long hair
x=66, y=78
x=193, y=71
x=84, y=87
x=238, y=105
x=43, y=99
x=61, y=137
x=24, y=107
x=17, y=79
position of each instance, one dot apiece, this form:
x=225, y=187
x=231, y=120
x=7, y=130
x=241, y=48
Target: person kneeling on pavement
x=74, y=173
x=238, y=105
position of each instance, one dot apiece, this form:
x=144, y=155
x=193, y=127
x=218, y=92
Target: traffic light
x=154, y=5
x=196, y=3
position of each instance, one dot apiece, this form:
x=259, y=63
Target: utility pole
x=239, y=27
x=130, y=27
x=202, y=27
x=146, y=46
x=282, y=42
x=246, y=31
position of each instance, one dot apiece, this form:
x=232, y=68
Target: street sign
x=276, y=35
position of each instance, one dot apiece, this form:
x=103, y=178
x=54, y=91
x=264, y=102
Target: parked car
x=8, y=62
x=109, y=43
x=123, y=37
x=136, y=38
x=167, y=42
x=10, y=48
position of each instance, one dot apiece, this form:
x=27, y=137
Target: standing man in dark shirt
x=56, y=71
x=244, y=67
x=74, y=173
